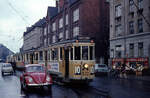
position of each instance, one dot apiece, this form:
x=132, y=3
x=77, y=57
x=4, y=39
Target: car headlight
x=30, y=79
x=48, y=78
x=86, y=65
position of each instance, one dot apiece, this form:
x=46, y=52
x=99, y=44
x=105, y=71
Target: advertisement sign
x=53, y=67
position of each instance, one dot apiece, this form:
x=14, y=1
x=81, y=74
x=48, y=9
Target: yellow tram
x=67, y=61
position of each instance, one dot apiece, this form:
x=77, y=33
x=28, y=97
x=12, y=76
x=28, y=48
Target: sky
x=16, y=15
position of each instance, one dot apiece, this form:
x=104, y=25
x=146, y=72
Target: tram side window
x=91, y=53
x=77, y=53
x=55, y=54
x=36, y=57
x=85, y=52
x=60, y=53
x=41, y=55
x=71, y=53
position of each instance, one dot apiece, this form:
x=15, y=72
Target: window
x=61, y=35
x=67, y=34
x=140, y=25
x=131, y=5
x=118, y=10
x=66, y=19
x=118, y=30
x=118, y=51
x=76, y=15
x=140, y=4
x=91, y=53
x=44, y=42
x=84, y=52
x=49, y=55
x=54, y=39
x=77, y=53
x=140, y=49
x=54, y=27
x=131, y=50
x=41, y=55
x=54, y=54
x=75, y=31
x=60, y=53
x=131, y=27
x=36, y=56
x=71, y=53
x=60, y=22
x=45, y=31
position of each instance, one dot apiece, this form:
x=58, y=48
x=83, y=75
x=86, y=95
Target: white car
x=101, y=69
x=7, y=68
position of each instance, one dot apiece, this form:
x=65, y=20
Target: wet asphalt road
x=118, y=88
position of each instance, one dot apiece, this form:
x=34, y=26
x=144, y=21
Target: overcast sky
x=16, y=15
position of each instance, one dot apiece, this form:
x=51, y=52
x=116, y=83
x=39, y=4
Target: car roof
x=32, y=65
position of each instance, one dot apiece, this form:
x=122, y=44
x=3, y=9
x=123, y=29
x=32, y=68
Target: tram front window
x=77, y=53
x=91, y=53
x=84, y=52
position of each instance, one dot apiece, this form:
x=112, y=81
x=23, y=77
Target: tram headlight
x=48, y=78
x=86, y=66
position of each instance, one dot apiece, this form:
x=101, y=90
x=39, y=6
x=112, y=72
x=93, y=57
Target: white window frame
x=76, y=15
x=118, y=10
x=76, y=31
x=66, y=17
x=54, y=26
x=60, y=22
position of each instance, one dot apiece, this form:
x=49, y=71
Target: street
x=118, y=88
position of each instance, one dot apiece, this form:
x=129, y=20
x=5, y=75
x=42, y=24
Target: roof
x=40, y=23
x=52, y=11
x=72, y=1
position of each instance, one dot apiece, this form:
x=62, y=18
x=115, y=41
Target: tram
x=67, y=61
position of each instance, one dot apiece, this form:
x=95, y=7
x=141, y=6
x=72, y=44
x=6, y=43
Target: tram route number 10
x=77, y=70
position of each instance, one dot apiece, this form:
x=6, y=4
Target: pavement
x=139, y=78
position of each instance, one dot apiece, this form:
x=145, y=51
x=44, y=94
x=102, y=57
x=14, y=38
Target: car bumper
x=38, y=85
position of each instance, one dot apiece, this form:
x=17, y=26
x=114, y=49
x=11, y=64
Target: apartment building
x=79, y=18
x=129, y=29
x=32, y=36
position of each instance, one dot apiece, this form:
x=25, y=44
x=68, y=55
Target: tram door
x=66, y=63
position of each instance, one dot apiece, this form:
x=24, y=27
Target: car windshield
x=101, y=65
x=7, y=65
x=35, y=69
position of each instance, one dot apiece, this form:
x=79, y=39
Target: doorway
x=66, y=63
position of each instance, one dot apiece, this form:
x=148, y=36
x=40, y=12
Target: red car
x=35, y=75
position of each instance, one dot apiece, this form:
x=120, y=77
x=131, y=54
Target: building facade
x=74, y=18
x=129, y=28
x=32, y=36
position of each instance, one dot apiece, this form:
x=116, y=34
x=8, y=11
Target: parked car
x=101, y=69
x=34, y=76
x=6, y=68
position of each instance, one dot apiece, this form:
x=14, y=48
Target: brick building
x=74, y=18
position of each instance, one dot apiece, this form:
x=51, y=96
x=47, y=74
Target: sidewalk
x=140, y=78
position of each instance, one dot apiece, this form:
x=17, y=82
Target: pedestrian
x=123, y=71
